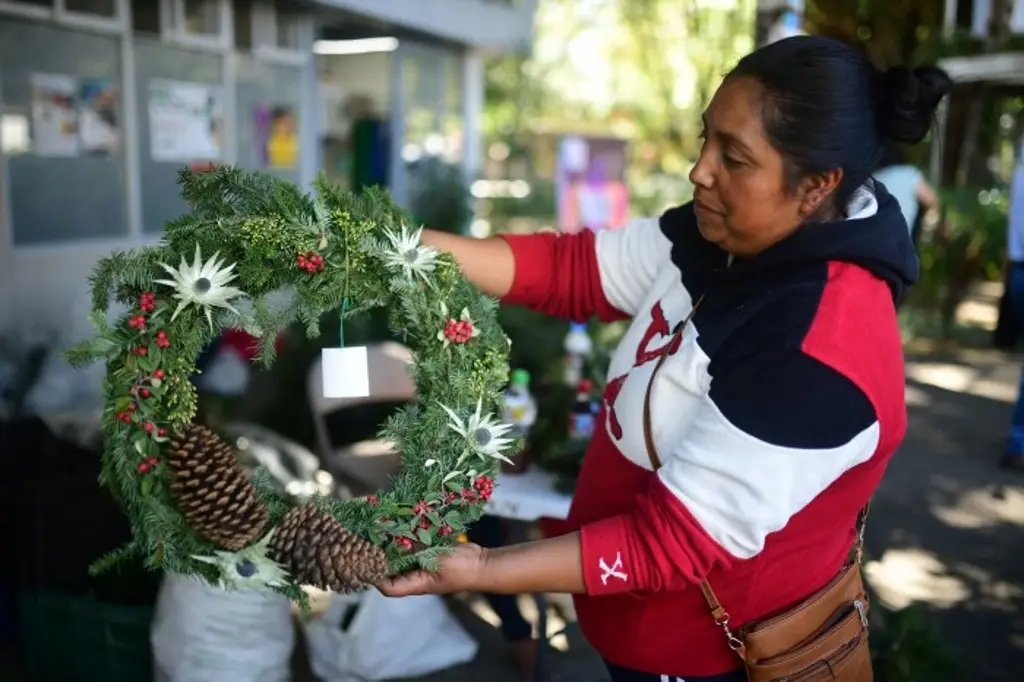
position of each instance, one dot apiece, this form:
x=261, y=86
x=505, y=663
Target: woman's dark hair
x=893, y=154
x=826, y=106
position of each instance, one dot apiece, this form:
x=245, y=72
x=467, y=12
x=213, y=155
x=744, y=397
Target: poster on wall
x=99, y=119
x=185, y=121
x=591, y=184
x=276, y=138
x=54, y=114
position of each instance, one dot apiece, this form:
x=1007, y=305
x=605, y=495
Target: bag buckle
x=735, y=643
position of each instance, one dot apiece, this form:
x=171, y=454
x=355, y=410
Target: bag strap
x=652, y=451
x=718, y=612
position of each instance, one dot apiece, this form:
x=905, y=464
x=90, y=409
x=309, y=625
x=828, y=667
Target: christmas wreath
x=192, y=508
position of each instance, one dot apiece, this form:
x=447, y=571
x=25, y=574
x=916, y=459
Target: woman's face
x=741, y=197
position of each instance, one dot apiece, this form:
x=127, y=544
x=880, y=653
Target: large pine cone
x=318, y=551
x=212, y=491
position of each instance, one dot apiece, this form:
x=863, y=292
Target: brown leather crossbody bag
x=823, y=638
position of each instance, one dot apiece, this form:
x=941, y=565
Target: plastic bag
x=367, y=637
x=202, y=633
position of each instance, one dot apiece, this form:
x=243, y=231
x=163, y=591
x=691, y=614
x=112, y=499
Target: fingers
x=417, y=582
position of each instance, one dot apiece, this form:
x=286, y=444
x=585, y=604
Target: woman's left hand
x=459, y=571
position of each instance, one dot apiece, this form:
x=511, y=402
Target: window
x=288, y=27
x=98, y=8
x=278, y=31
x=204, y=24
x=62, y=125
x=201, y=17
x=47, y=4
x=146, y=17
x=243, y=15
x=31, y=8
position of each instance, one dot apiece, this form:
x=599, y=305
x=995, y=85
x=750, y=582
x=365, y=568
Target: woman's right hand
x=459, y=571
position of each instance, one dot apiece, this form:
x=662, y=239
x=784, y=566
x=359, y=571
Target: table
x=525, y=498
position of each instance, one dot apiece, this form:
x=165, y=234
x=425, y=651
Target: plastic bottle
x=583, y=416
x=578, y=346
x=520, y=407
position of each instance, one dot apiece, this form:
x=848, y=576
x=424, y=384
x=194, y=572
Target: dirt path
x=947, y=525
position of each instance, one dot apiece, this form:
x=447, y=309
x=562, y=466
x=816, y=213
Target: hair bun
x=909, y=100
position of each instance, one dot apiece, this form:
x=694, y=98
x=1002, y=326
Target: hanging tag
x=346, y=372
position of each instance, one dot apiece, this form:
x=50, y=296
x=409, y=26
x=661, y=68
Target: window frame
x=59, y=13
x=172, y=27
x=264, y=36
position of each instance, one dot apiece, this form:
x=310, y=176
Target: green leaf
x=141, y=443
x=434, y=517
x=148, y=483
x=454, y=486
x=147, y=363
x=424, y=536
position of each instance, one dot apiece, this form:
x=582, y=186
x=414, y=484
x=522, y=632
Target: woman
x=906, y=183
x=776, y=412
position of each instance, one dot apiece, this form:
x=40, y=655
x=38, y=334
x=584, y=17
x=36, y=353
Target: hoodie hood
x=873, y=236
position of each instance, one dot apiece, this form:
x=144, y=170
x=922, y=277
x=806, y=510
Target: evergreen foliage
x=262, y=225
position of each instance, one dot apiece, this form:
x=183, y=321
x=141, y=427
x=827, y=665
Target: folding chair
x=366, y=465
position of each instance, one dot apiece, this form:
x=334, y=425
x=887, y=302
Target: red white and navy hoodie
x=774, y=418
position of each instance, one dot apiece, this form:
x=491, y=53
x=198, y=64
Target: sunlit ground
x=902, y=575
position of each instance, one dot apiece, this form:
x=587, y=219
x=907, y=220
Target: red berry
x=161, y=432
x=144, y=392
x=149, y=426
x=404, y=543
x=425, y=523
x=133, y=407
x=143, y=468
x=141, y=350
x=421, y=508
x=444, y=530
x=152, y=461
x=161, y=334
x=124, y=416
x=301, y=260
x=159, y=374
x=373, y=499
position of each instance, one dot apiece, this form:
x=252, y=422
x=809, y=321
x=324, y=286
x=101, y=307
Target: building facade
x=103, y=101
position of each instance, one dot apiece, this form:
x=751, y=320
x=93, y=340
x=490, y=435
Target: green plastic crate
x=74, y=638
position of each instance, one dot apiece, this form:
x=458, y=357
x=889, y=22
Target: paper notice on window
x=54, y=114
x=185, y=121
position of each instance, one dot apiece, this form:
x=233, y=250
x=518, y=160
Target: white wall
x=494, y=24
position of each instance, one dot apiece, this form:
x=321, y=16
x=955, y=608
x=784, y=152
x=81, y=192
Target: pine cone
x=212, y=491
x=318, y=551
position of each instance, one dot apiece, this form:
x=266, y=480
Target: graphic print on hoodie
x=774, y=417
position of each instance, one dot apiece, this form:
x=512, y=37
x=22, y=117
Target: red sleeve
x=657, y=546
x=558, y=275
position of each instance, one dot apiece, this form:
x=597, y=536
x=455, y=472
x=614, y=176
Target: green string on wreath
x=341, y=323
x=344, y=300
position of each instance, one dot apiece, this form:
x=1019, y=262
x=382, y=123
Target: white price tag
x=346, y=372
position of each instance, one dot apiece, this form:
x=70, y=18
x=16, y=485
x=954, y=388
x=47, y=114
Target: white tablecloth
x=528, y=496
